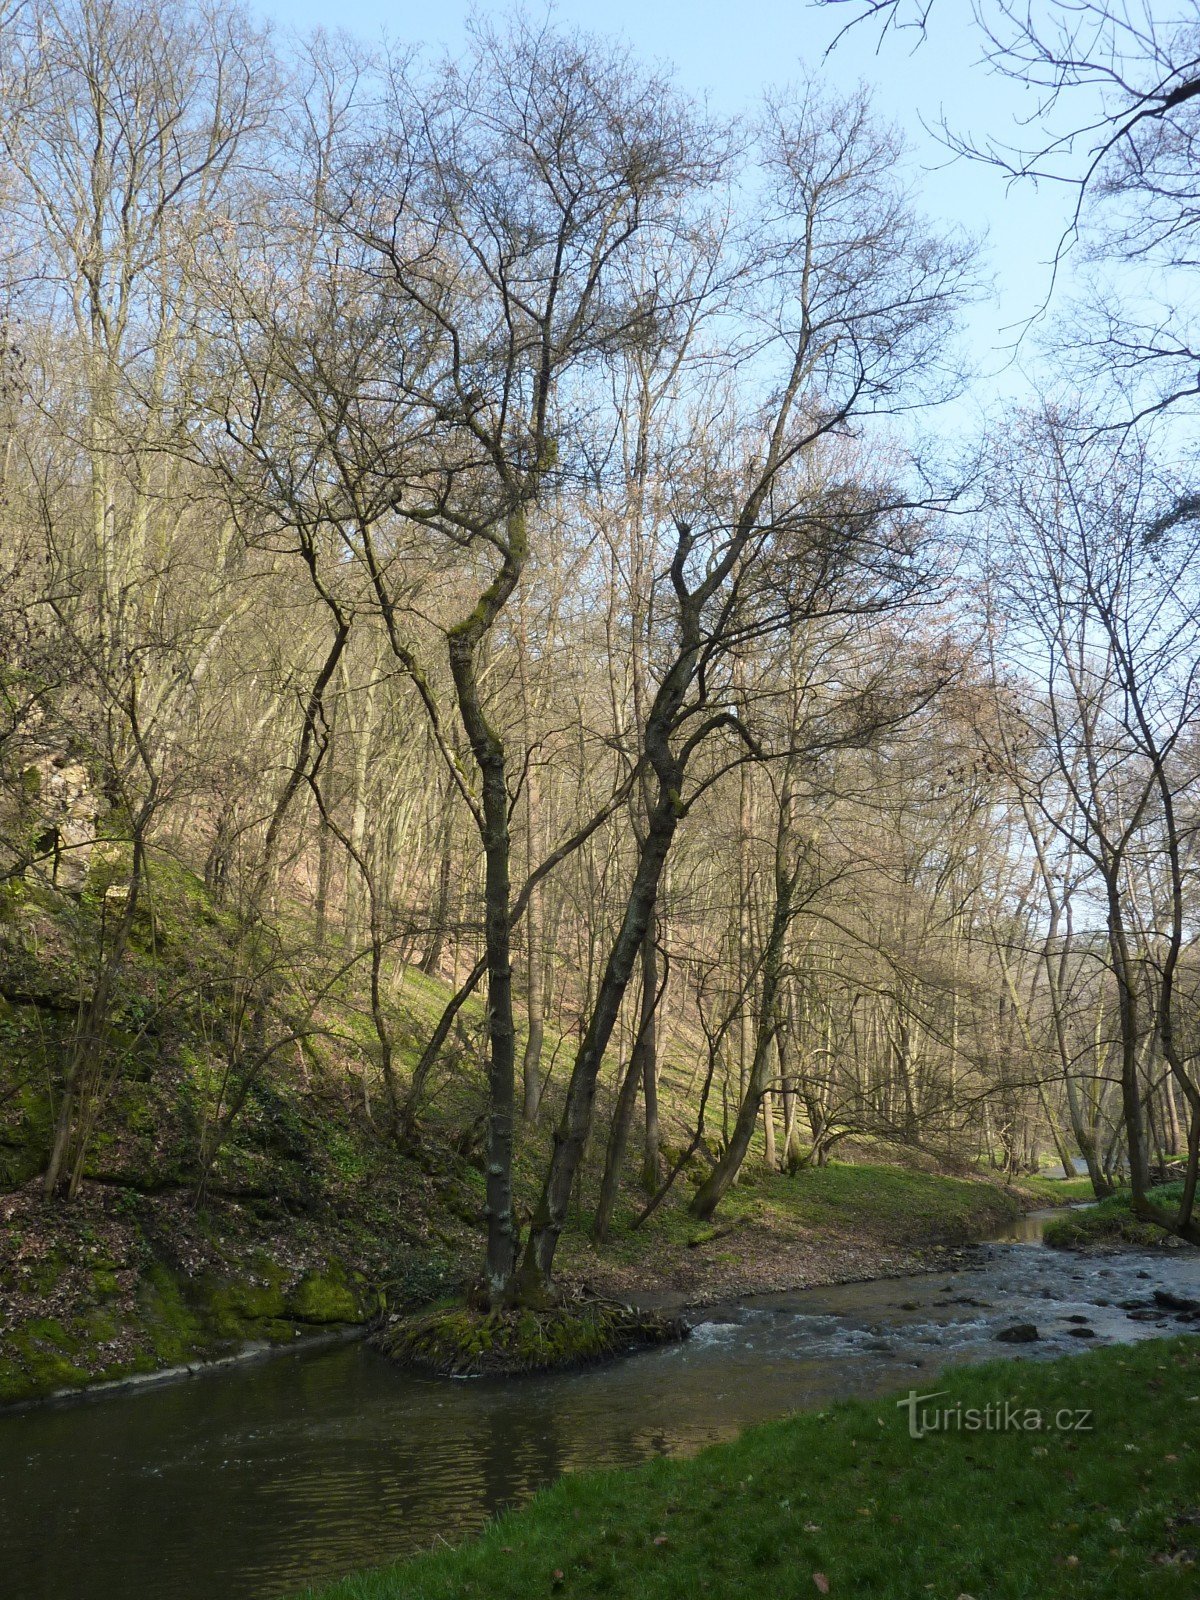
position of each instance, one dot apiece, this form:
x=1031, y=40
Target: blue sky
x=728, y=53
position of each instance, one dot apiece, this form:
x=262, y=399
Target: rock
x=1019, y=1333
x=1081, y=1333
x=1076, y=1317
x=63, y=806
x=1175, y=1302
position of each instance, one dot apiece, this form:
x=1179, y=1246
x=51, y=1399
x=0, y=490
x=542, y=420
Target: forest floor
x=821, y=1225
x=309, y=1218
x=1101, y=1498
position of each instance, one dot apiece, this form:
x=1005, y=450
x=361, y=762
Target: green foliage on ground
x=1055, y=1191
x=1112, y=1224
x=460, y=1341
x=873, y=1202
x=845, y=1502
x=174, y=1320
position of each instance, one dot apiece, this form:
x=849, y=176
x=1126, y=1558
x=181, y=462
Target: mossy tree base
x=459, y=1341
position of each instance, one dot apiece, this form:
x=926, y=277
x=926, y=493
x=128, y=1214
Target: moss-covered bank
x=459, y=1341
x=172, y=1319
x=1111, y=1225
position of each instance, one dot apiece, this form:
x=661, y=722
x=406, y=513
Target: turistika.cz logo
x=998, y=1416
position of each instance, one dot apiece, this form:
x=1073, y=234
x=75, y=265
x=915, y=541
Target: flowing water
x=245, y=1484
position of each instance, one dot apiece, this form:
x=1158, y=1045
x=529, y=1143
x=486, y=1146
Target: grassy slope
x=848, y=1495
x=1055, y=1191
x=840, y=1221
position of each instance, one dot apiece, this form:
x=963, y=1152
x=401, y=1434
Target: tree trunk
x=710, y=1193
x=571, y=1133
x=640, y=1063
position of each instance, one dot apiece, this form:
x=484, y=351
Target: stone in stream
x=1076, y=1317
x=1081, y=1333
x=1019, y=1333
x=1175, y=1302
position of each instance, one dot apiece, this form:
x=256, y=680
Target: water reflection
x=248, y=1483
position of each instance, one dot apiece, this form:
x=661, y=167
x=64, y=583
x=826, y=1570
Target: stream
x=247, y=1483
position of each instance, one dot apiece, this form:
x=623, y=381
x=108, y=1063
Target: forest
x=518, y=684
x=553, y=750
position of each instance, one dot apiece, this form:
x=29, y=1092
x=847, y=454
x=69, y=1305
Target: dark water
x=248, y=1483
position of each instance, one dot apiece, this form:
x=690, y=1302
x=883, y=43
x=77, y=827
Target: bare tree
x=1107, y=621
x=855, y=298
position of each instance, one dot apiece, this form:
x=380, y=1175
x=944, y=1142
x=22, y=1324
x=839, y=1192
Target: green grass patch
x=1056, y=1191
x=849, y=1496
x=883, y=1204
x=1112, y=1223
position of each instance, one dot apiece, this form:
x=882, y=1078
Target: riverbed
x=248, y=1483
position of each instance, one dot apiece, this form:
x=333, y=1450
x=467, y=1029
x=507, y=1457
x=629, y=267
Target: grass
x=891, y=1205
x=1112, y=1222
x=848, y=1498
x=1056, y=1191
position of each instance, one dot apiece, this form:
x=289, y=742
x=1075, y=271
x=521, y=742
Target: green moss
x=1112, y=1224
x=50, y=1354
x=105, y=1283
x=458, y=1341
x=175, y=1321
x=170, y=1325
x=101, y=1327
x=327, y=1297
x=46, y=1355
x=45, y=1274
x=237, y=1306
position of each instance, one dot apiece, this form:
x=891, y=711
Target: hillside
x=308, y=1214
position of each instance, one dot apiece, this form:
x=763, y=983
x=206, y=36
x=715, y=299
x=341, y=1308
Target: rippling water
x=248, y=1483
